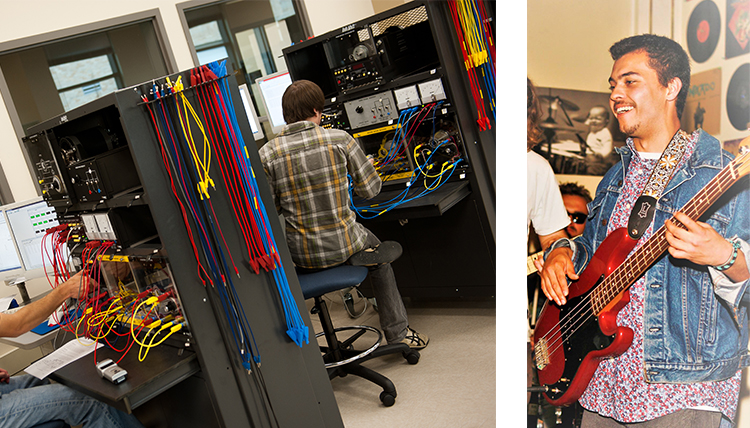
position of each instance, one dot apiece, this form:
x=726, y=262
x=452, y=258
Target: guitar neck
x=530, y=268
x=636, y=265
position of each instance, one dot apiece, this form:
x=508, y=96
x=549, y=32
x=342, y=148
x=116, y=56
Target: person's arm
x=31, y=315
x=546, y=240
x=264, y=154
x=366, y=180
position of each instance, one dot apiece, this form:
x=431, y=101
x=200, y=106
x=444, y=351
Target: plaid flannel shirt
x=307, y=168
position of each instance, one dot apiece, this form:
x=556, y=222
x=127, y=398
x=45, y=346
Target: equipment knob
x=359, y=109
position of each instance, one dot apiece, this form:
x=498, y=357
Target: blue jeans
x=27, y=401
x=393, y=318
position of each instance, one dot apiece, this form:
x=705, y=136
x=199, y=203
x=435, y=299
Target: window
x=81, y=81
x=250, y=34
x=50, y=78
x=210, y=42
x=45, y=75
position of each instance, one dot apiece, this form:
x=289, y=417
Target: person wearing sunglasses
x=575, y=198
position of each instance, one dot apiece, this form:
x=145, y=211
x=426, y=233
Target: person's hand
x=700, y=243
x=77, y=286
x=539, y=264
x=4, y=376
x=555, y=273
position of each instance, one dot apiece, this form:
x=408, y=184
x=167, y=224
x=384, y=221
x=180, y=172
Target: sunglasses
x=577, y=218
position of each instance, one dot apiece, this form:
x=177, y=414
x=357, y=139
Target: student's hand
x=77, y=286
x=557, y=269
x=4, y=376
x=700, y=243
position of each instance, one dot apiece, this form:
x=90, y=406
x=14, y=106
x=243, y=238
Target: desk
x=448, y=252
x=29, y=340
x=164, y=367
x=433, y=204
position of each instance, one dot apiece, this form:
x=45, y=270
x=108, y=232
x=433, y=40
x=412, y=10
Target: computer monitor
x=247, y=101
x=28, y=222
x=271, y=89
x=10, y=263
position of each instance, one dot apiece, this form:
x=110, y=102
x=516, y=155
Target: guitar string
x=694, y=208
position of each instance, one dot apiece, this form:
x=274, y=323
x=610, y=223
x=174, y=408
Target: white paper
x=70, y=352
x=57, y=315
x=5, y=302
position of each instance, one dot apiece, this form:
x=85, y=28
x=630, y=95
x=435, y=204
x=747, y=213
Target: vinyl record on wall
x=703, y=30
x=738, y=98
x=737, y=28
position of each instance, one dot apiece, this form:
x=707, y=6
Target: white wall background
x=568, y=47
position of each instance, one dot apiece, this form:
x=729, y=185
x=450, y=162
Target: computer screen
x=271, y=89
x=310, y=62
x=247, y=102
x=28, y=222
x=10, y=264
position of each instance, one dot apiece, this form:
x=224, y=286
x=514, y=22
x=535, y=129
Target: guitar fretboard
x=636, y=265
x=530, y=268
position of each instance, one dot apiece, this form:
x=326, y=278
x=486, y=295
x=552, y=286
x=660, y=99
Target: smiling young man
x=688, y=311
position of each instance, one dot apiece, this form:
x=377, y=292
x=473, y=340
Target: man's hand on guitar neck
x=699, y=243
x=555, y=273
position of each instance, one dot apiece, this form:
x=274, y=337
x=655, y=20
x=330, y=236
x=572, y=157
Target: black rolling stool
x=340, y=357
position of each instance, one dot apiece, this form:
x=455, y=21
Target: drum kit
x=565, y=156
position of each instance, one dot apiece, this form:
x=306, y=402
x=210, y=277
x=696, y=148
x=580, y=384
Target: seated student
x=26, y=401
x=307, y=169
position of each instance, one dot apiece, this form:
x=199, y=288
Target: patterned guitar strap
x=645, y=206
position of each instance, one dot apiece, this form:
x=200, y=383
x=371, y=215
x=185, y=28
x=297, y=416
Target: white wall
x=326, y=15
x=568, y=41
x=567, y=47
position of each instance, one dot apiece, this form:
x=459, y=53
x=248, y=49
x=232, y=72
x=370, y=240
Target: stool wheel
x=361, y=330
x=412, y=357
x=387, y=398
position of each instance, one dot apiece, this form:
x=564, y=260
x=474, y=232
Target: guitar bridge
x=541, y=354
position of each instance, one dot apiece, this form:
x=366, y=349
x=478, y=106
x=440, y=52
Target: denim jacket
x=694, y=330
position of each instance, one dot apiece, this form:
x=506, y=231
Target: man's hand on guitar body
x=558, y=268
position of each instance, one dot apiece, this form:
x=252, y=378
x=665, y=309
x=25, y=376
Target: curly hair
x=666, y=57
x=575, y=189
x=534, y=134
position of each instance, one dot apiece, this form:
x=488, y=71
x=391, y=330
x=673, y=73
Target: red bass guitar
x=570, y=340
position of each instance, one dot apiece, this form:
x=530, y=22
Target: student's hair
x=300, y=100
x=576, y=190
x=667, y=58
x=534, y=134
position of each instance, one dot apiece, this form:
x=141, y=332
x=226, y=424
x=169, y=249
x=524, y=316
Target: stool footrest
x=361, y=330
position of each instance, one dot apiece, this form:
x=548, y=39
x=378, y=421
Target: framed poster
x=580, y=130
x=703, y=104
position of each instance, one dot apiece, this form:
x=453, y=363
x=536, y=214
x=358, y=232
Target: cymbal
x=567, y=105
